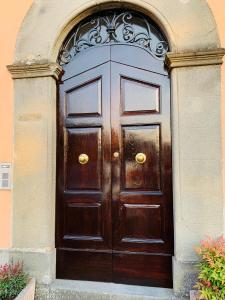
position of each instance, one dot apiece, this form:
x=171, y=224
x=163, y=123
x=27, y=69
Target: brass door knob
x=116, y=154
x=140, y=158
x=83, y=158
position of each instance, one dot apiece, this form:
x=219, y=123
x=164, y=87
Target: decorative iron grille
x=117, y=27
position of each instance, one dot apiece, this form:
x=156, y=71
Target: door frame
x=35, y=87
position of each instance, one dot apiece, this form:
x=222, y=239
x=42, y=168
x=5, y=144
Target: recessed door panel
x=142, y=223
x=85, y=99
x=141, y=175
x=88, y=175
x=139, y=97
x=88, y=221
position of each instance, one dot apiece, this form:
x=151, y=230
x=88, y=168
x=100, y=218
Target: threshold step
x=89, y=290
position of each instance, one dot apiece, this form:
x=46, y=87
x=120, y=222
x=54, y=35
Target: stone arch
x=196, y=95
x=193, y=28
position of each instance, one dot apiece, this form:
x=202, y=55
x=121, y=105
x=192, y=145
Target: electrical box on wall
x=5, y=176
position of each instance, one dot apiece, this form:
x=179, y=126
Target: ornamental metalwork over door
x=114, y=188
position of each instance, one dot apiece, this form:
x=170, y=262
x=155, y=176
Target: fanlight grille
x=114, y=27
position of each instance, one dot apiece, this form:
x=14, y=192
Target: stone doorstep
x=87, y=290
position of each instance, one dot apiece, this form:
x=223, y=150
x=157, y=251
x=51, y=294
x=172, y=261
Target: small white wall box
x=5, y=176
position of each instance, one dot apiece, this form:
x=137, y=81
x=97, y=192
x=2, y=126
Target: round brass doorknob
x=116, y=154
x=140, y=158
x=83, y=158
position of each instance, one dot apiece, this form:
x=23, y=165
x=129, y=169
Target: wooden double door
x=114, y=191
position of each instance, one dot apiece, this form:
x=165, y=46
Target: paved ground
x=83, y=290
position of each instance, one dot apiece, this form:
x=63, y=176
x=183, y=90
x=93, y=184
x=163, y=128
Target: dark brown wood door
x=114, y=209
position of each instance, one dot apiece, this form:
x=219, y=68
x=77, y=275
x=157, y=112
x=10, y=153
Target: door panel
x=138, y=176
x=86, y=214
x=93, y=57
x=147, y=97
x=90, y=93
x=137, y=58
x=141, y=223
x=142, y=269
x=141, y=192
x=79, y=176
x=83, y=201
x=115, y=212
x=84, y=265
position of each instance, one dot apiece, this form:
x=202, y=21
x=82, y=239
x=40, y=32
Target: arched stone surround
x=188, y=24
x=196, y=126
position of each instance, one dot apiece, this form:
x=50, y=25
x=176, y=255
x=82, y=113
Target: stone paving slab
x=84, y=290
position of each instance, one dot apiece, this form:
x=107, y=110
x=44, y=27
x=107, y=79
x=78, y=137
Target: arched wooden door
x=114, y=176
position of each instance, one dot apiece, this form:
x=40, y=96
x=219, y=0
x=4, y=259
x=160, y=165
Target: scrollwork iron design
x=117, y=27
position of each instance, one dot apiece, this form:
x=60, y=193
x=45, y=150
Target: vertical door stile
x=106, y=149
x=116, y=150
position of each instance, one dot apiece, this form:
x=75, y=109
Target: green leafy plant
x=211, y=278
x=12, y=280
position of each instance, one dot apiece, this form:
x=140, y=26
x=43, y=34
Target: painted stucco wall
x=11, y=16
